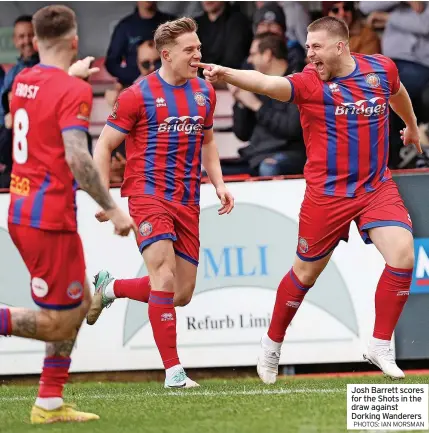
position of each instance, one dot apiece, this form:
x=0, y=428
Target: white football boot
x=178, y=379
x=268, y=360
x=381, y=355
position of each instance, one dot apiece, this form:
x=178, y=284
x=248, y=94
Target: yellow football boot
x=65, y=413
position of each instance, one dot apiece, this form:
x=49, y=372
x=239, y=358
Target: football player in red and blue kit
x=344, y=101
x=50, y=110
x=167, y=122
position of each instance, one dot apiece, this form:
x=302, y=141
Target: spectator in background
x=406, y=41
x=131, y=31
x=270, y=18
x=225, y=34
x=297, y=21
x=363, y=39
x=23, y=40
x=181, y=8
x=147, y=61
x=276, y=145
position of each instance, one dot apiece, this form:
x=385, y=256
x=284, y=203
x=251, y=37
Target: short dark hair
x=23, y=19
x=334, y=26
x=168, y=32
x=275, y=43
x=52, y=22
x=149, y=42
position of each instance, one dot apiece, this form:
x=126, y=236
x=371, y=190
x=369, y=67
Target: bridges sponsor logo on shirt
x=187, y=124
x=366, y=107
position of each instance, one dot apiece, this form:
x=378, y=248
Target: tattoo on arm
x=24, y=324
x=60, y=348
x=83, y=168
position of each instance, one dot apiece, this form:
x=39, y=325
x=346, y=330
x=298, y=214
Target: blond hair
x=169, y=31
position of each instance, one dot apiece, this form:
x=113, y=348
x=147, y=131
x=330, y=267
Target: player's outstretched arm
x=83, y=168
x=211, y=163
x=275, y=87
x=402, y=106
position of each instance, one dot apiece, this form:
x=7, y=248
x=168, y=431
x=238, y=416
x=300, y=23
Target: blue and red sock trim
x=57, y=362
x=398, y=272
x=54, y=376
x=5, y=321
x=298, y=283
x=161, y=298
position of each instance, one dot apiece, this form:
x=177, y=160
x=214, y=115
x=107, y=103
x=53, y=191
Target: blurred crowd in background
x=265, y=36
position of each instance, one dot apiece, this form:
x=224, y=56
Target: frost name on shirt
x=26, y=91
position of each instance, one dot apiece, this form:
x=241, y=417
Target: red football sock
x=136, y=288
x=390, y=297
x=5, y=322
x=290, y=294
x=162, y=316
x=54, y=376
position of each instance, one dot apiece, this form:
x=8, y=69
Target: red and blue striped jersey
x=45, y=102
x=165, y=126
x=346, y=125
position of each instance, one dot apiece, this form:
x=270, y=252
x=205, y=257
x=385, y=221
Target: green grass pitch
x=293, y=405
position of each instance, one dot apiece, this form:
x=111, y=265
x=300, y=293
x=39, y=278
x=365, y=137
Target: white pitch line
x=190, y=393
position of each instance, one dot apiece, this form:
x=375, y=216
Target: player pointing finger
x=344, y=100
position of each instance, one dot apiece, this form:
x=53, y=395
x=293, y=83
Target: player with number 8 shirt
x=50, y=110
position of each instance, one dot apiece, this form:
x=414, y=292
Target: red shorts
x=56, y=264
x=159, y=219
x=325, y=220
